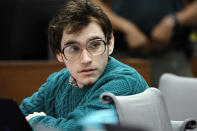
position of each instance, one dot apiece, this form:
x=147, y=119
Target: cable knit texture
x=65, y=104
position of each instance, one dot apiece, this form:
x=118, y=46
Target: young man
x=81, y=36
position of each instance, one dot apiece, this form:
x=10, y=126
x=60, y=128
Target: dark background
x=24, y=28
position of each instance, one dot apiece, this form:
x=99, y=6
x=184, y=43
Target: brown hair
x=73, y=16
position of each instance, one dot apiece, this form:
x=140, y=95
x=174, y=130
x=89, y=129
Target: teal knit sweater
x=65, y=104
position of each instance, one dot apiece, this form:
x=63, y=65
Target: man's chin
x=89, y=82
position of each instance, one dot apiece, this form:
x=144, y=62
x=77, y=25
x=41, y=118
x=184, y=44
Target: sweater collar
x=73, y=81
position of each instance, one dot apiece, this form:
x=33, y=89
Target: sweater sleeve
x=71, y=122
x=36, y=102
x=90, y=103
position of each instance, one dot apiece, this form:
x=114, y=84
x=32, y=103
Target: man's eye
x=95, y=45
x=73, y=48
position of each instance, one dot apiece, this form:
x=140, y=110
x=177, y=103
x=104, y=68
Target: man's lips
x=87, y=71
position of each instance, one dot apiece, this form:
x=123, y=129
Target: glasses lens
x=96, y=47
x=72, y=51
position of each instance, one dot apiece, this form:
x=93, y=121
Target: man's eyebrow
x=70, y=42
x=94, y=38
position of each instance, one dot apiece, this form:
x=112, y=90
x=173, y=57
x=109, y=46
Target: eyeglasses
x=94, y=48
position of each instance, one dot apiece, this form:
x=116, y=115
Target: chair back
x=180, y=94
x=146, y=109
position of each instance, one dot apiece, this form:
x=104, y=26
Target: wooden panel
x=19, y=79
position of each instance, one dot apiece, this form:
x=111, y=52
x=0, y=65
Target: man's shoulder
x=119, y=68
x=56, y=80
x=122, y=83
x=58, y=75
x=122, y=74
x=117, y=72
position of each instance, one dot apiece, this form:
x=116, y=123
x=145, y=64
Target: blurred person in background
x=81, y=37
x=156, y=30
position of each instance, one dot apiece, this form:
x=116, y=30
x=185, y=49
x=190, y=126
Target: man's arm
x=133, y=35
x=118, y=86
x=34, y=103
x=164, y=30
x=188, y=16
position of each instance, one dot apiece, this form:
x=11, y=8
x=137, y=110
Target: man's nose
x=85, y=57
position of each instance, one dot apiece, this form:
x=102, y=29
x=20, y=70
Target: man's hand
x=35, y=114
x=135, y=38
x=162, y=33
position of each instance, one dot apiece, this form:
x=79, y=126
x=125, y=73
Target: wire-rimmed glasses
x=94, y=47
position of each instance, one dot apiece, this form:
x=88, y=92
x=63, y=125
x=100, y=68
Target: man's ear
x=111, y=45
x=60, y=57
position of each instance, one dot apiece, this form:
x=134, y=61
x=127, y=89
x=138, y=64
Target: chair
x=146, y=110
x=180, y=94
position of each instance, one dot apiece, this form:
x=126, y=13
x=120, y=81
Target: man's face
x=86, y=69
